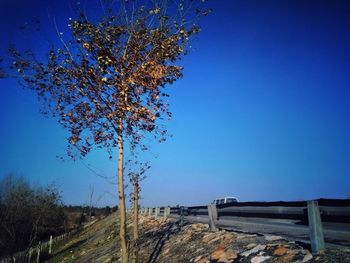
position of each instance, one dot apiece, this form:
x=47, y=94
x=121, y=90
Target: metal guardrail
x=331, y=210
x=312, y=213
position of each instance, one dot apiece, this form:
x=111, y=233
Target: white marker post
x=315, y=227
x=213, y=214
x=50, y=245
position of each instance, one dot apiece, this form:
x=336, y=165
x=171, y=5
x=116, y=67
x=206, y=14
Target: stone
x=307, y=257
x=259, y=259
x=272, y=238
x=198, y=258
x=250, y=246
x=253, y=250
x=244, y=236
x=280, y=251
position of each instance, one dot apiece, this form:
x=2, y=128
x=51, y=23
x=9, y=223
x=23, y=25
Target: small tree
x=135, y=176
x=91, y=195
x=105, y=84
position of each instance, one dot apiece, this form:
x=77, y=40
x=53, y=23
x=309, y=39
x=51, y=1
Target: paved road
x=335, y=234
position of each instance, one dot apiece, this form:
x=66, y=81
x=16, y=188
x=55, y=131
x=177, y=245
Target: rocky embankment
x=165, y=241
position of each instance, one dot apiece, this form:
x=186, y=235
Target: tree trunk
x=136, y=218
x=121, y=197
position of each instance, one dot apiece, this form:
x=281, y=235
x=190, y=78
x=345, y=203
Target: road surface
x=336, y=234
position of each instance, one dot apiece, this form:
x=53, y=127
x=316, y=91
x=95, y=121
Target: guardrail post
x=213, y=214
x=50, y=245
x=156, y=212
x=149, y=211
x=165, y=212
x=181, y=215
x=315, y=227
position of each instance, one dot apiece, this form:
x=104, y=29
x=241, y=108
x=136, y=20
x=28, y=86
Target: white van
x=225, y=200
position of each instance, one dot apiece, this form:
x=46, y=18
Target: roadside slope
x=164, y=241
x=97, y=242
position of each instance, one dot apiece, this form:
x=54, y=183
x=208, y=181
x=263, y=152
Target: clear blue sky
x=262, y=112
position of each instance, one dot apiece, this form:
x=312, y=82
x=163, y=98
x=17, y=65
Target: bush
x=107, y=210
x=27, y=214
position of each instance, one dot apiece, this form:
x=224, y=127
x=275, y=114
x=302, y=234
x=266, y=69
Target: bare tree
x=27, y=213
x=106, y=83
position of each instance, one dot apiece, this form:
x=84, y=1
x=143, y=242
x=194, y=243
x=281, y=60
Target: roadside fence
x=36, y=253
